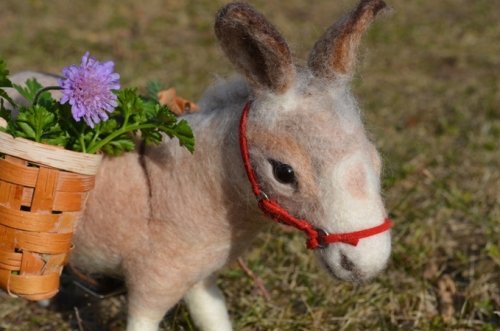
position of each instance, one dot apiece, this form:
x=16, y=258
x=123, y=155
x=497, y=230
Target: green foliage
x=47, y=121
x=30, y=91
x=4, y=82
x=39, y=124
x=4, y=74
x=136, y=114
x=153, y=87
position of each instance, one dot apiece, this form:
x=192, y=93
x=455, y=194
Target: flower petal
x=88, y=88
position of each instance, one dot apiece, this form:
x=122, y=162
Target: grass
x=429, y=86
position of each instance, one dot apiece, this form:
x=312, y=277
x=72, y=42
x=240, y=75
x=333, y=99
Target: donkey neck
x=205, y=197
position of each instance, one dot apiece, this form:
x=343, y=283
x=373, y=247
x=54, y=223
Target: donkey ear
x=334, y=54
x=255, y=47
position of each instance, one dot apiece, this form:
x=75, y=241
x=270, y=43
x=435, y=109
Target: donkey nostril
x=346, y=263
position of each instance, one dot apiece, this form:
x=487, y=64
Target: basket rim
x=49, y=155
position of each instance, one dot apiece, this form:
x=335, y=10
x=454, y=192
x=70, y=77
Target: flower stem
x=81, y=138
x=117, y=133
x=42, y=90
x=94, y=138
x=82, y=142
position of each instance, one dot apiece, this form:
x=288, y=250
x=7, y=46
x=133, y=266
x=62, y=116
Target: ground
x=428, y=84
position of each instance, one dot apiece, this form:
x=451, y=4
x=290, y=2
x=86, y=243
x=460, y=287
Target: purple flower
x=89, y=89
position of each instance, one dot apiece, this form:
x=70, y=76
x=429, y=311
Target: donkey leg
x=142, y=316
x=141, y=323
x=147, y=305
x=207, y=306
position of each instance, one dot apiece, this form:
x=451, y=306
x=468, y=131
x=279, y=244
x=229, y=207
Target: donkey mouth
x=342, y=268
x=355, y=275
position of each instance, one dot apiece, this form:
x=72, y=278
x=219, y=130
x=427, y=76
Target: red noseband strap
x=317, y=238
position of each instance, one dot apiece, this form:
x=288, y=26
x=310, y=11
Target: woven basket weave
x=43, y=190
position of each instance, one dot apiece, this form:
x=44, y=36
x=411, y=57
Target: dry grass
x=431, y=96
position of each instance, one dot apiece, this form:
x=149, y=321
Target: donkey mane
x=224, y=93
x=220, y=100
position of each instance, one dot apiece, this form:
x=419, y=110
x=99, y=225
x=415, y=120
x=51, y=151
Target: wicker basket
x=43, y=190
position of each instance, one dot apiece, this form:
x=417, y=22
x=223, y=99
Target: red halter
x=317, y=238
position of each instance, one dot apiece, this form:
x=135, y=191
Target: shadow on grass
x=102, y=306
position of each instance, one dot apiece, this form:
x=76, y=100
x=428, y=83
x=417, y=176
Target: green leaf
x=163, y=120
x=30, y=90
x=4, y=95
x=38, y=124
x=107, y=127
x=25, y=130
x=4, y=74
x=184, y=133
x=5, y=82
x=150, y=109
x=153, y=87
x=128, y=100
x=4, y=112
x=119, y=146
x=56, y=141
x=165, y=116
x=151, y=136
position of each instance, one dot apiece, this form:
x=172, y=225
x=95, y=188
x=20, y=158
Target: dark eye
x=283, y=172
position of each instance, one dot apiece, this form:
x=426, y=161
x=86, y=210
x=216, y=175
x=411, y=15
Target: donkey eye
x=283, y=172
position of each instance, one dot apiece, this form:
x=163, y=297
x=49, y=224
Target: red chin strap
x=317, y=238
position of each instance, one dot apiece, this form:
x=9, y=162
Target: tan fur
x=356, y=182
x=284, y=147
x=170, y=217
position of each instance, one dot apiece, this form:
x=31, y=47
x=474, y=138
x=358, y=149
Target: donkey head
x=306, y=141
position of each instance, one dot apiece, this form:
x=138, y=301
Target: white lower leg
x=145, y=312
x=141, y=323
x=207, y=306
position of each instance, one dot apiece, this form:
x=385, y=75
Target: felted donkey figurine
x=167, y=221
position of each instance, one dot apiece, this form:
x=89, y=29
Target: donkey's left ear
x=334, y=54
x=255, y=47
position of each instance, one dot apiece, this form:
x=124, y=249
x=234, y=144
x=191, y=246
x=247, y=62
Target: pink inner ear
x=335, y=52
